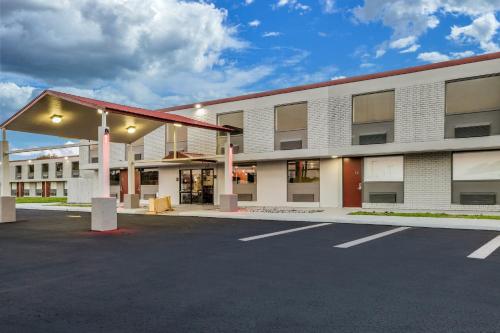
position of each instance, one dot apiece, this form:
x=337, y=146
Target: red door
x=124, y=183
x=45, y=189
x=20, y=189
x=351, y=181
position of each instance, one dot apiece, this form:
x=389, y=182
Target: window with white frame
x=383, y=179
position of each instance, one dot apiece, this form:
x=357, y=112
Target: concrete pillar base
x=104, y=217
x=7, y=209
x=131, y=201
x=228, y=202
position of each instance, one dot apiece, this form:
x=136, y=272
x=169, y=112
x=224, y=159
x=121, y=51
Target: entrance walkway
x=318, y=215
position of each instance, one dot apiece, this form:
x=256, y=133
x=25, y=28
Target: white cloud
x=107, y=39
x=482, y=31
x=338, y=77
x=437, y=56
x=248, y=2
x=411, y=19
x=271, y=34
x=292, y=5
x=13, y=97
x=412, y=48
x=254, y=23
x=433, y=57
x=463, y=54
x=328, y=6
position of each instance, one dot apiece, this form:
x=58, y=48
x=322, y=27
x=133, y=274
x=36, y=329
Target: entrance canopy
x=69, y=116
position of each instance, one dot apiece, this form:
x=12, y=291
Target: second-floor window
x=59, y=170
x=234, y=121
x=31, y=171
x=19, y=171
x=181, y=136
x=473, y=107
x=45, y=170
x=75, y=169
x=373, y=118
x=290, y=126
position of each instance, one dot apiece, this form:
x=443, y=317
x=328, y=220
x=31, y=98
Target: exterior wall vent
x=371, y=139
x=478, y=198
x=288, y=145
x=472, y=131
x=383, y=197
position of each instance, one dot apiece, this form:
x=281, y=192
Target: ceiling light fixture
x=56, y=119
x=198, y=105
x=131, y=129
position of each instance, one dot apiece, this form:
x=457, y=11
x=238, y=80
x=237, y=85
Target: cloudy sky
x=157, y=53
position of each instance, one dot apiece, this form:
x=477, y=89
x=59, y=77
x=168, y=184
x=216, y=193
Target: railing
x=75, y=173
x=59, y=174
x=18, y=176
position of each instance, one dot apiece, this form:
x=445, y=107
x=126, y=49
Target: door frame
x=203, y=192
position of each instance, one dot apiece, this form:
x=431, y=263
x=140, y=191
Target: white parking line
x=283, y=232
x=370, y=238
x=485, y=250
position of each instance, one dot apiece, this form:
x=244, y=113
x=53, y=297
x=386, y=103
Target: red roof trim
x=119, y=109
x=415, y=69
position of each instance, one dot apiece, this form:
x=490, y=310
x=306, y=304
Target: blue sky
x=157, y=53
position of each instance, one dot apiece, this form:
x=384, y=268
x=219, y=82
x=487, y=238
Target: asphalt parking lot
x=179, y=274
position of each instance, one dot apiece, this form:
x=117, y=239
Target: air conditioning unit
x=371, y=139
x=472, y=131
x=289, y=145
x=303, y=197
x=245, y=197
x=385, y=197
x=478, y=198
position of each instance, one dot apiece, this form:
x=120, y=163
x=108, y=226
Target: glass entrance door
x=196, y=186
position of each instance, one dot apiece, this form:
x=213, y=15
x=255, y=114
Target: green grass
x=40, y=199
x=439, y=215
x=64, y=204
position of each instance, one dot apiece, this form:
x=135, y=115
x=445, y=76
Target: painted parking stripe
x=370, y=238
x=485, y=250
x=277, y=233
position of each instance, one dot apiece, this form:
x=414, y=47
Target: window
x=45, y=170
x=245, y=182
x=59, y=170
x=180, y=136
x=94, y=160
x=53, y=189
x=290, y=126
x=383, y=179
x=75, y=169
x=473, y=95
x=26, y=190
x=114, y=177
x=149, y=177
x=137, y=157
x=19, y=171
x=373, y=118
x=38, y=189
x=65, y=189
x=31, y=171
x=476, y=178
x=473, y=107
x=234, y=121
x=303, y=181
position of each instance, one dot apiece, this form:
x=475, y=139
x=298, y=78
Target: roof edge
x=394, y=72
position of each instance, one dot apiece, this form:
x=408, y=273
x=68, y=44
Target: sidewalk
x=335, y=215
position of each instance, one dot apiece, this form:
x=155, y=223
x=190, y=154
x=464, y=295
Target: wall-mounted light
x=56, y=119
x=30, y=161
x=131, y=129
x=198, y=106
x=66, y=158
x=334, y=156
x=177, y=125
x=99, y=111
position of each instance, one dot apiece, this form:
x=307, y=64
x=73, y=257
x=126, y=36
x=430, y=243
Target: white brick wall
x=427, y=180
x=317, y=123
x=419, y=113
x=340, y=121
x=154, y=144
x=259, y=130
